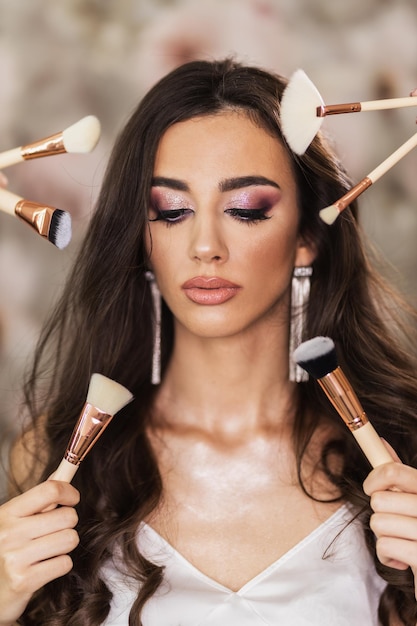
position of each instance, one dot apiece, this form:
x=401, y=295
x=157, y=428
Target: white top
x=327, y=578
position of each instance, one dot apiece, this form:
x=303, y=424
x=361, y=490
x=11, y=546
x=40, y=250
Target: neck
x=237, y=383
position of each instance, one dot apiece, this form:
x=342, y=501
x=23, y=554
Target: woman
x=226, y=493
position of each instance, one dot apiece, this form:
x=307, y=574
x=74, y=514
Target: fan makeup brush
x=303, y=110
x=330, y=213
x=105, y=398
x=52, y=224
x=318, y=357
x=79, y=137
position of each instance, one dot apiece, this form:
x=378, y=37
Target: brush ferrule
x=335, y=109
x=340, y=393
x=36, y=215
x=89, y=427
x=352, y=194
x=54, y=144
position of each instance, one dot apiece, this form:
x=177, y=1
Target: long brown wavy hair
x=103, y=323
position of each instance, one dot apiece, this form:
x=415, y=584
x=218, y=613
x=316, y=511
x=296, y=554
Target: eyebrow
x=227, y=184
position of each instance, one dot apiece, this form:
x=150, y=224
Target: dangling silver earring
x=156, y=353
x=300, y=292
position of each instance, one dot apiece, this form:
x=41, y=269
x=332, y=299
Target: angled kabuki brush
x=318, y=357
x=79, y=137
x=330, y=213
x=105, y=398
x=52, y=224
x=303, y=110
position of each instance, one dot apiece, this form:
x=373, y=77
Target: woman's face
x=223, y=225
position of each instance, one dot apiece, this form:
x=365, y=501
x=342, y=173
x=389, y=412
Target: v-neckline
x=261, y=575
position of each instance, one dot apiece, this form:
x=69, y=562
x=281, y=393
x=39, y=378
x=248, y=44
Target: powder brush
x=303, y=110
x=51, y=223
x=79, y=137
x=318, y=357
x=105, y=398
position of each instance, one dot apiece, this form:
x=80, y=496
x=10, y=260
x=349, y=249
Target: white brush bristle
x=60, y=230
x=313, y=348
x=329, y=214
x=107, y=395
x=299, y=120
x=83, y=135
x=317, y=356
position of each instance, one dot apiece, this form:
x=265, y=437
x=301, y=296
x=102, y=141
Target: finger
x=397, y=553
x=51, y=522
x=46, y=571
x=394, y=502
x=391, y=525
x=38, y=550
x=50, y=546
x=18, y=532
x=394, y=476
x=414, y=92
x=3, y=180
x=51, y=492
x=31, y=579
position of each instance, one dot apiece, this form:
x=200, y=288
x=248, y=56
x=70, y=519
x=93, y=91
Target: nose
x=207, y=243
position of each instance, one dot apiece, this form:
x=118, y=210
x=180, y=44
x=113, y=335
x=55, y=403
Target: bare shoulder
x=27, y=458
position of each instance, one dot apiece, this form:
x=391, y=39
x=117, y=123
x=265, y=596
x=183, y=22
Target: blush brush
x=303, y=110
x=318, y=357
x=105, y=398
x=79, y=137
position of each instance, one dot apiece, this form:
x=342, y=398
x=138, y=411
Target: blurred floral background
x=60, y=61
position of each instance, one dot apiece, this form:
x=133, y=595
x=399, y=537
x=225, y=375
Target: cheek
x=273, y=250
x=158, y=247
x=164, y=257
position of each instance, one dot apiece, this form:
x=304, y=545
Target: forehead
x=226, y=144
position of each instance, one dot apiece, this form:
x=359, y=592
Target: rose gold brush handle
x=340, y=393
x=45, y=147
x=379, y=171
x=376, y=173
x=369, y=105
x=89, y=427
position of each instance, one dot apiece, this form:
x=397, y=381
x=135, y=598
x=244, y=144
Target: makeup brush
x=53, y=224
x=318, y=357
x=303, y=110
x=299, y=103
x=105, y=398
x=330, y=213
x=79, y=137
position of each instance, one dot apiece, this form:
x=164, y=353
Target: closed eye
x=170, y=216
x=250, y=216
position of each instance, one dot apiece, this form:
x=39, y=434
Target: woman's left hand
x=392, y=488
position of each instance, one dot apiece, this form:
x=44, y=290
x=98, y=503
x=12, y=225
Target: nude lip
x=209, y=290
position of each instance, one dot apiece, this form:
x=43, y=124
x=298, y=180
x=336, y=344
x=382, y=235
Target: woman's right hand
x=36, y=535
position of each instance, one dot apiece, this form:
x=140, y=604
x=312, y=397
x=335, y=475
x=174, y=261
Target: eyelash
x=170, y=217
x=249, y=216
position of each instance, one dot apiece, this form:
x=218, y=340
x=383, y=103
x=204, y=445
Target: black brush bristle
x=60, y=229
x=317, y=356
